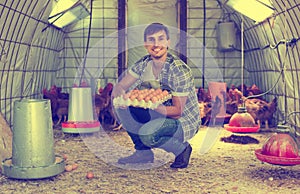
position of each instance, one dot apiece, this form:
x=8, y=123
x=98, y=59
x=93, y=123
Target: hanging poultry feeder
x=32, y=147
x=242, y=122
x=281, y=148
x=81, y=112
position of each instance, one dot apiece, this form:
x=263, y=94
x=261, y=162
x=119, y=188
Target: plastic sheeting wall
x=29, y=56
x=270, y=59
x=90, y=51
x=212, y=65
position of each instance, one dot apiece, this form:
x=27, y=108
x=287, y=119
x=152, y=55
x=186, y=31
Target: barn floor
x=225, y=168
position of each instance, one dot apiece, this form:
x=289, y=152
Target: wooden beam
x=121, y=37
x=183, y=29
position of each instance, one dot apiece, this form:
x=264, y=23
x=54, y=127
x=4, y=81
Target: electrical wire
x=279, y=76
x=242, y=46
x=289, y=42
x=264, y=93
x=290, y=114
x=87, y=44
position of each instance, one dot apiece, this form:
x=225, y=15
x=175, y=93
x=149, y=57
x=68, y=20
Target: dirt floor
x=225, y=168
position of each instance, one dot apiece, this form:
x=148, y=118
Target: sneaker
x=182, y=160
x=139, y=156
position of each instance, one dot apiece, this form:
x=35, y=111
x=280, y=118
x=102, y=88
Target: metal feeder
x=32, y=147
x=81, y=113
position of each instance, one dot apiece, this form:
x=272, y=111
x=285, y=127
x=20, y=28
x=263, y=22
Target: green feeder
x=32, y=147
x=81, y=112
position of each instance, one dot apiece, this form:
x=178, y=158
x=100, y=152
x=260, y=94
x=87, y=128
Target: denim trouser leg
x=156, y=131
x=165, y=133
x=132, y=120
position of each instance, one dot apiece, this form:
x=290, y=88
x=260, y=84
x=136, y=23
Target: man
x=171, y=124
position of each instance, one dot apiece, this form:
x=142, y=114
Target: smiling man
x=172, y=123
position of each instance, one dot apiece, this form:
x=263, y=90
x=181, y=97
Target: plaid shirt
x=178, y=78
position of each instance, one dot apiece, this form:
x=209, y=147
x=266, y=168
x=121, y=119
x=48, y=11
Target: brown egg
x=165, y=92
x=140, y=97
x=150, y=95
x=154, y=99
x=89, y=175
x=160, y=96
x=65, y=156
x=151, y=90
x=158, y=90
x=147, y=98
x=68, y=168
x=134, y=92
x=133, y=96
x=74, y=166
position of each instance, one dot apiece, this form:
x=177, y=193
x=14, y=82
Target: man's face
x=157, y=44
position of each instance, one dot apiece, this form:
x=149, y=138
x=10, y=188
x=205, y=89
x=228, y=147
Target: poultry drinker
x=280, y=148
x=241, y=122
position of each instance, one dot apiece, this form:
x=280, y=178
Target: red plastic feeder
x=242, y=122
x=86, y=127
x=81, y=112
x=284, y=161
x=217, y=89
x=279, y=149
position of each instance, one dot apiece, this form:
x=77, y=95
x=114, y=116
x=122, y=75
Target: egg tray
x=120, y=102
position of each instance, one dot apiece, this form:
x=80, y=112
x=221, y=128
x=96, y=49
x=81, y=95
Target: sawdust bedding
x=225, y=168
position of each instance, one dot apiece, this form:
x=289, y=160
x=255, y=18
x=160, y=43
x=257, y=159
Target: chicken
x=62, y=95
x=59, y=103
x=204, y=108
x=62, y=110
x=101, y=103
x=253, y=90
x=231, y=103
x=209, y=110
x=110, y=115
x=52, y=96
x=259, y=109
x=242, y=88
x=104, y=107
x=265, y=111
x=203, y=96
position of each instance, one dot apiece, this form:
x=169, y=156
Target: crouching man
x=171, y=124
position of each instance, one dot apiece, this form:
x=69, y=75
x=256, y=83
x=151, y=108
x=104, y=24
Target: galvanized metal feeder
x=32, y=147
x=81, y=113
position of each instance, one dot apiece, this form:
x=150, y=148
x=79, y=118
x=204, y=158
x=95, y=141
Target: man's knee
x=148, y=140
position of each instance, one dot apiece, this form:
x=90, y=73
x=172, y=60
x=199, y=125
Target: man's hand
x=175, y=110
x=117, y=91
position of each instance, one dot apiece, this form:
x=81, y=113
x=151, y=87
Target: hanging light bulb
x=257, y=10
x=67, y=12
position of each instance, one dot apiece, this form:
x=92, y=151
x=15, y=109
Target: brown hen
x=259, y=109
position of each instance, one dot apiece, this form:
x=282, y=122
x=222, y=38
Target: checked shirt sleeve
x=182, y=80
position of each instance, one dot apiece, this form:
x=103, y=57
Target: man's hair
x=153, y=28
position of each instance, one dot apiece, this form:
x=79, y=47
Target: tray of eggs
x=145, y=98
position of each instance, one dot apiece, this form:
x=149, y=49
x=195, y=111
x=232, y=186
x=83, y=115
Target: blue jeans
x=149, y=129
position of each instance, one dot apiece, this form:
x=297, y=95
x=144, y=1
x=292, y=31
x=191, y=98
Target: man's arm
x=174, y=111
x=121, y=87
